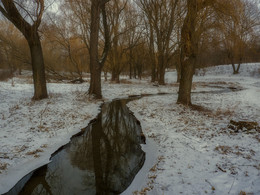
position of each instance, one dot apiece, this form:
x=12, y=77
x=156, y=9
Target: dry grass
x=226, y=113
x=3, y=166
x=224, y=149
x=236, y=150
x=245, y=193
x=35, y=152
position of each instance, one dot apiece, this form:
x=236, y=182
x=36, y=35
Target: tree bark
x=178, y=66
x=161, y=73
x=96, y=64
x=39, y=80
x=189, y=48
x=187, y=72
x=95, y=83
x=95, y=69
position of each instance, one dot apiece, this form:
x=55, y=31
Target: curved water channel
x=104, y=159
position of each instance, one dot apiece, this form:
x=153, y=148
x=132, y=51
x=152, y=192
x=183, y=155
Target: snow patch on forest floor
x=198, y=154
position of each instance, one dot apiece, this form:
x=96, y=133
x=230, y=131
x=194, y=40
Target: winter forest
x=130, y=97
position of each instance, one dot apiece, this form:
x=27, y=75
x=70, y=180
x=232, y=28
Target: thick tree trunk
x=153, y=72
x=161, y=67
x=161, y=75
x=178, y=75
x=96, y=64
x=187, y=72
x=95, y=83
x=95, y=68
x=115, y=76
x=39, y=80
x=189, y=49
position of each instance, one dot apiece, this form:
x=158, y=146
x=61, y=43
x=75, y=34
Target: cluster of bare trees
x=136, y=38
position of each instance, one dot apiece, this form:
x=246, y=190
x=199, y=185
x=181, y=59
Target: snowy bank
x=197, y=153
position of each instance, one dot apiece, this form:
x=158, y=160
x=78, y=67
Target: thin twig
x=232, y=185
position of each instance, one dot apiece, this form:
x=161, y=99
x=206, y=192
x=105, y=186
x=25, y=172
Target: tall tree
x=28, y=22
x=161, y=18
x=194, y=25
x=238, y=30
x=189, y=47
x=96, y=64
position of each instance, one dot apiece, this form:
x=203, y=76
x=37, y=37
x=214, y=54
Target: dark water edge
x=102, y=159
x=111, y=155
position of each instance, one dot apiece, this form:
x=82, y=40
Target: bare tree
x=198, y=20
x=238, y=31
x=97, y=63
x=125, y=36
x=15, y=55
x=63, y=34
x=161, y=16
x=28, y=22
x=190, y=36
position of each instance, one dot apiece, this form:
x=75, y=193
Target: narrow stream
x=104, y=159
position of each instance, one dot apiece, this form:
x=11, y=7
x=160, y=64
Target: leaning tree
x=193, y=27
x=27, y=16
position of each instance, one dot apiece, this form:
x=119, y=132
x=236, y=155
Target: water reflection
x=104, y=160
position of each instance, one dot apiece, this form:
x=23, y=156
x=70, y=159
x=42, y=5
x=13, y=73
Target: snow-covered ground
x=196, y=152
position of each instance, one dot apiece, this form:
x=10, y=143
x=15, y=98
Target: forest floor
x=196, y=151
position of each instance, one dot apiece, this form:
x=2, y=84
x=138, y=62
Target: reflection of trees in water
x=104, y=160
x=113, y=143
x=38, y=185
x=45, y=180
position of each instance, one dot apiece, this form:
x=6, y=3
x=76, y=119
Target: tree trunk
x=134, y=71
x=178, y=74
x=40, y=89
x=95, y=83
x=238, y=67
x=234, y=67
x=161, y=66
x=187, y=72
x=95, y=69
x=130, y=63
x=189, y=49
x=178, y=67
x=105, y=75
x=153, y=72
x=152, y=53
x=161, y=75
x=96, y=64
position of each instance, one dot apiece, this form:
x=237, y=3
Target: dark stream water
x=104, y=159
